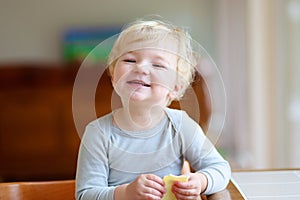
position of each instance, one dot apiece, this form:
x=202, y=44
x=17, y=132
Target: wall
x=32, y=30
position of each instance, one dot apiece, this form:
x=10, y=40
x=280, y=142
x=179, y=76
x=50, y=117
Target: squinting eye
x=129, y=60
x=159, y=66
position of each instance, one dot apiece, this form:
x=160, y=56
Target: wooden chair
x=40, y=190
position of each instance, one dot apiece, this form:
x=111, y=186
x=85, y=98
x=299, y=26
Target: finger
x=182, y=197
x=186, y=192
x=155, y=178
x=152, y=197
x=187, y=195
x=155, y=184
x=186, y=185
x=153, y=192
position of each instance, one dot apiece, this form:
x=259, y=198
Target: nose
x=142, y=67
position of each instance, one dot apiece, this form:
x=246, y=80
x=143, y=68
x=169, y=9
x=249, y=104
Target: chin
x=136, y=99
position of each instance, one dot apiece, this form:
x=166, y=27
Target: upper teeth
x=140, y=82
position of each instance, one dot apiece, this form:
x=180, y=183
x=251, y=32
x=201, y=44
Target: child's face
x=146, y=75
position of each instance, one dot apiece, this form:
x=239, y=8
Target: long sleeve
x=203, y=156
x=92, y=167
x=109, y=157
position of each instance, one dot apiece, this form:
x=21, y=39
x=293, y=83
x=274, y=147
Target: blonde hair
x=150, y=34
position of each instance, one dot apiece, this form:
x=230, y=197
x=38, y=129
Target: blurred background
x=255, y=44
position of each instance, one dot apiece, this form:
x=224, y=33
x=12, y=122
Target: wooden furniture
x=58, y=190
x=65, y=190
x=38, y=139
x=234, y=194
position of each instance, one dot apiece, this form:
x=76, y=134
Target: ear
x=110, y=73
x=175, y=92
x=112, y=81
x=172, y=95
x=111, y=78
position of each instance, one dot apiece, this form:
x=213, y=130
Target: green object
x=79, y=51
x=78, y=43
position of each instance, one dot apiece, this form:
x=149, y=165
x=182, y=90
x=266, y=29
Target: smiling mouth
x=137, y=82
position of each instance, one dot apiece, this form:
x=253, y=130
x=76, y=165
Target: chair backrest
x=58, y=190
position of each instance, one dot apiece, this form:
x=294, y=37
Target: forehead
x=153, y=53
x=159, y=40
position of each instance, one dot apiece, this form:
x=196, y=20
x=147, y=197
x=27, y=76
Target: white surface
x=264, y=185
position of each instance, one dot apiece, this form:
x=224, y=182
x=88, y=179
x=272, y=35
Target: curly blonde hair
x=150, y=34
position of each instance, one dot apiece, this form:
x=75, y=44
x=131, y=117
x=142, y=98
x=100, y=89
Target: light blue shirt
x=109, y=156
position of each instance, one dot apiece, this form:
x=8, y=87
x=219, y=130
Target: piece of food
x=169, y=181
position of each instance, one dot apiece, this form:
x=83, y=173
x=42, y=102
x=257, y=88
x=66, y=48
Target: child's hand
x=146, y=186
x=192, y=189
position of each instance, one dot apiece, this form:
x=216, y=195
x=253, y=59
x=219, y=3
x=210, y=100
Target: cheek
x=165, y=79
x=117, y=75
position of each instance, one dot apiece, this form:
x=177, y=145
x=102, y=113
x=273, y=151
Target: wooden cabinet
x=38, y=139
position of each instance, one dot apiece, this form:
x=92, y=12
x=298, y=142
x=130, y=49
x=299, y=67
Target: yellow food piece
x=169, y=181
